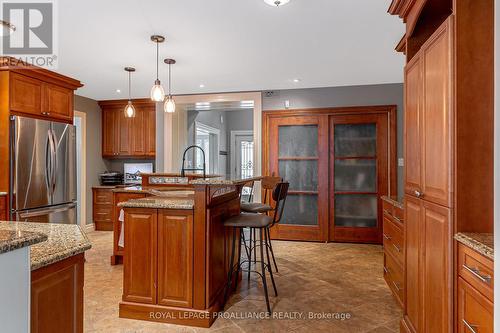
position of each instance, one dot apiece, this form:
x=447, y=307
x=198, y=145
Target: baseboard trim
x=89, y=227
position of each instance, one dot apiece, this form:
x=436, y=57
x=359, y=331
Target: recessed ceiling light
x=202, y=85
x=118, y=91
x=276, y=3
x=296, y=80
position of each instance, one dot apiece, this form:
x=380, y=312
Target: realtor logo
x=31, y=37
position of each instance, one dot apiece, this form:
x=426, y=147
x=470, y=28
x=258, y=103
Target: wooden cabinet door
x=175, y=258
x=437, y=267
x=123, y=132
x=475, y=312
x=58, y=102
x=150, y=132
x=413, y=267
x=25, y=94
x=109, y=128
x=437, y=119
x=140, y=259
x=137, y=133
x=413, y=126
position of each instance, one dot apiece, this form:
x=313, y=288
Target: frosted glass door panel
x=302, y=175
x=301, y=210
x=355, y=140
x=355, y=175
x=298, y=141
x=356, y=210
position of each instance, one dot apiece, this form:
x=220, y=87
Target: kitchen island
x=57, y=273
x=177, y=253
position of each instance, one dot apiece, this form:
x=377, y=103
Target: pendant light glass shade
x=157, y=92
x=129, y=110
x=169, y=105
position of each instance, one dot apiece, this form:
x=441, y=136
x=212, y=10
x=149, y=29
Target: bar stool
x=261, y=222
x=268, y=184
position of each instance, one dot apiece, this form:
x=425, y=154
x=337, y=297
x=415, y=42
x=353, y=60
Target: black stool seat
x=255, y=207
x=249, y=221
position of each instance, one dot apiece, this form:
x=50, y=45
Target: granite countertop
x=129, y=189
x=481, y=242
x=14, y=239
x=224, y=180
x=393, y=200
x=157, y=202
x=61, y=241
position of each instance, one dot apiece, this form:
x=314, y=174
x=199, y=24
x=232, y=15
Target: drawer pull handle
x=387, y=212
x=469, y=326
x=397, y=219
x=397, y=247
x=102, y=213
x=386, y=270
x=387, y=237
x=396, y=286
x=477, y=273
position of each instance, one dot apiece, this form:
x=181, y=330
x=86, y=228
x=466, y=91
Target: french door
x=299, y=147
x=359, y=176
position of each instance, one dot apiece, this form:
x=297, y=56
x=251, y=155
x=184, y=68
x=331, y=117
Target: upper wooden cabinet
x=36, y=92
x=428, y=122
x=128, y=137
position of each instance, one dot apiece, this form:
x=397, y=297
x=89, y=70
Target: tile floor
x=314, y=277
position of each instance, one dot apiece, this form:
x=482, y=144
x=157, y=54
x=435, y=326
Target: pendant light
x=169, y=105
x=129, y=110
x=157, y=92
x=276, y=3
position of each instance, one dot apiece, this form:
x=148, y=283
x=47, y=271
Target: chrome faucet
x=184, y=169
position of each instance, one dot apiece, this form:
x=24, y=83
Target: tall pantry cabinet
x=448, y=139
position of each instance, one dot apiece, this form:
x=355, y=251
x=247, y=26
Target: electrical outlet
x=287, y=104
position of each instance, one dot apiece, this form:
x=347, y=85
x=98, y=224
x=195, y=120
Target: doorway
x=80, y=122
x=242, y=148
x=208, y=138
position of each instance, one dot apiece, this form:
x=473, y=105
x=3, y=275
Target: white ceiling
x=228, y=45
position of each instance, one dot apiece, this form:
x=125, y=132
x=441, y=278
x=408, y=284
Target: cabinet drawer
x=388, y=208
x=475, y=312
x=103, y=212
x=476, y=269
x=393, y=240
x=103, y=197
x=393, y=275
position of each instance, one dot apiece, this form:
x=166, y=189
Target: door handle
x=54, y=163
x=46, y=211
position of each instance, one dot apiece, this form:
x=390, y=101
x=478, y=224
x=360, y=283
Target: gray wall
x=94, y=164
x=380, y=94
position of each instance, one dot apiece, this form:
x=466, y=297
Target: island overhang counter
x=177, y=253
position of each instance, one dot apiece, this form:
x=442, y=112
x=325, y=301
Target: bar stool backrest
x=268, y=184
x=280, y=193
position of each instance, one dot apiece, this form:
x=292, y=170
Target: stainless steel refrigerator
x=42, y=171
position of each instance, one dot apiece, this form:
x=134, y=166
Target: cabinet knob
x=418, y=194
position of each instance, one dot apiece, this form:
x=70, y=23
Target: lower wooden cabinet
x=158, y=261
x=57, y=297
x=475, y=311
x=3, y=208
x=102, y=208
x=428, y=251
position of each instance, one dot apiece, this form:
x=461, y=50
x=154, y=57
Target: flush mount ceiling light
x=276, y=3
x=129, y=110
x=169, y=105
x=157, y=92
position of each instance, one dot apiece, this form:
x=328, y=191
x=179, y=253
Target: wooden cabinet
x=158, y=263
x=102, y=208
x=475, y=291
x=141, y=256
x=25, y=94
x=57, y=297
x=393, y=240
x=31, y=96
x=3, y=208
x=175, y=272
x=128, y=137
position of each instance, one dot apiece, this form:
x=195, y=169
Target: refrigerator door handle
x=45, y=211
x=54, y=161
x=48, y=161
